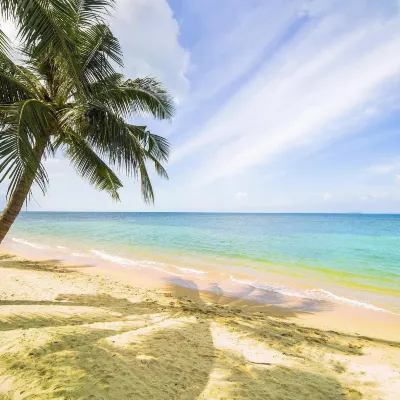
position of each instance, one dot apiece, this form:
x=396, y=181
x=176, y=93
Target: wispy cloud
x=149, y=36
x=326, y=77
x=384, y=168
x=262, y=87
x=224, y=58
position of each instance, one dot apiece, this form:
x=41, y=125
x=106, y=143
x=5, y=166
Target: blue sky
x=289, y=106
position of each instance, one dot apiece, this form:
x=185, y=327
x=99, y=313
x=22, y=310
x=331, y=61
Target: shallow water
x=341, y=257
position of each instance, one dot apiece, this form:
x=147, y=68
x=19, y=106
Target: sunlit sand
x=67, y=334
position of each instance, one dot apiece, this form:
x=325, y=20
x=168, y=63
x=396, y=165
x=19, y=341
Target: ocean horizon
x=347, y=258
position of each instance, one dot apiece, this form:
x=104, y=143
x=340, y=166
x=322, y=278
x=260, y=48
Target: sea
x=343, y=258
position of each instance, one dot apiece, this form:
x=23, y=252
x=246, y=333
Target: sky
x=289, y=106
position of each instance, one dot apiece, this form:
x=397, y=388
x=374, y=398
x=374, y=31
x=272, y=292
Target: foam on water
x=269, y=288
x=336, y=252
x=313, y=294
x=113, y=258
x=30, y=244
x=159, y=266
x=191, y=270
x=321, y=294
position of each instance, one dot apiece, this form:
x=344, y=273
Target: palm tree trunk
x=19, y=196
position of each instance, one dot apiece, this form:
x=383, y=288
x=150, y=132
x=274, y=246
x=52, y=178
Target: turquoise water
x=361, y=252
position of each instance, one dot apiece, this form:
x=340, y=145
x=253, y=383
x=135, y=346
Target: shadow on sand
x=56, y=266
x=103, y=347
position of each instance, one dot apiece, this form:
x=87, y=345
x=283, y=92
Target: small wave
x=113, y=258
x=313, y=294
x=125, y=261
x=191, y=270
x=31, y=244
x=159, y=266
x=268, y=288
x=78, y=255
x=321, y=294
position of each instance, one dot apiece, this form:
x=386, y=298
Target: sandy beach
x=76, y=332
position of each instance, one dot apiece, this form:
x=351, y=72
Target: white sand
x=65, y=334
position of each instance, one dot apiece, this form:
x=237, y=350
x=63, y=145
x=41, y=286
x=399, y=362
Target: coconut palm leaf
x=88, y=11
x=12, y=89
x=67, y=95
x=90, y=166
x=25, y=123
x=44, y=25
x=5, y=46
x=141, y=97
x=99, y=46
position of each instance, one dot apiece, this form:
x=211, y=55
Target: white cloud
x=381, y=169
x=10, y=29
x=327, y=196
x=327, y=77
x=241, y=194
x=227, y=57
x=53, y=161
x=384, y=168
x=398, y=179
x=149, y=35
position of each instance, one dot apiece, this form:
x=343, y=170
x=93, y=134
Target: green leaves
x=68, y=96
x=126, y=147
x=12, y=89
x=89, y=11
x=99, y=46
x=47, y=26
x=4, y=43
x=25, y=126
x=90, y=166
x=142, y=97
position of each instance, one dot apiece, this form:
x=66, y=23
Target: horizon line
x=216, y=212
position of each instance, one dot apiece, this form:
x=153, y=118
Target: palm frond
x=91, y=11
x=155, y=145
x=155, y=149
x=31, y=81
x=12, y=89
x=140, y=97
x=6, y=63
x=126, y=147
x=46, y=26
x=145, y=183
x=5, y=46
x=98, y=47
x=90, y=166
x=69, y=95
x=25, y=125
x=160, y=170
x=106, y=132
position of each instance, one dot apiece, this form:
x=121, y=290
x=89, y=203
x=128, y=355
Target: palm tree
x=65, y=95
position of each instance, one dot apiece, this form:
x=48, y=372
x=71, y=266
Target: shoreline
x=315, y=313
x=308, y=283
x=76, y=331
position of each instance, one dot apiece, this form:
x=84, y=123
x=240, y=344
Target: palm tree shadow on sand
x=133, y=351
x=149, y=350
